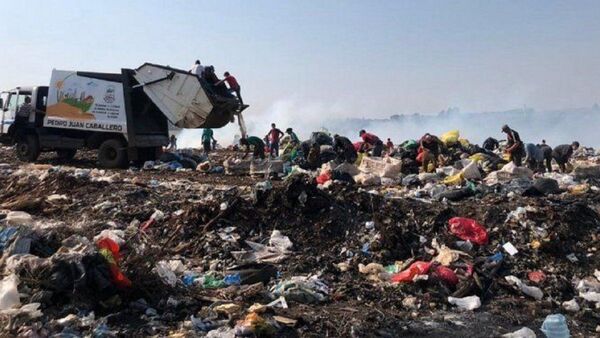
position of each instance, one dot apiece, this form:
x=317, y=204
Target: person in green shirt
x=293, y=136
x=257, y=143
x=207, y=137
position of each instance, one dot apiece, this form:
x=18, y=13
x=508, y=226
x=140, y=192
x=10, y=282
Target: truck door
x=8, y=111
x=4, y=123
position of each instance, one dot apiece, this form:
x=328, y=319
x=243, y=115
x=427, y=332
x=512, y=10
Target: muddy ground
x=326, y=228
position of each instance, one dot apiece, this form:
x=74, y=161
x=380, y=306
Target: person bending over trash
x=257, y=143
x=344, y=149
x=372, y=141
x=514, y=145
x=563, y=153
x=431, y=146
x=534, y=157
x=547, y=154
x=490, y=144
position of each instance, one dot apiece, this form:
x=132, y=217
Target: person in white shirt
x=197, y=69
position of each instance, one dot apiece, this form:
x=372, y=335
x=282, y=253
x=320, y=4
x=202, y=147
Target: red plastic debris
x=110, y=251
x=324, y=177
x=407, y=276
x=468, y=230
x=536, y=276
x=420, y=157
x=446, y=275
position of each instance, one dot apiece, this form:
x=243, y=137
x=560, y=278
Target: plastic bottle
x=156, y=216
x=555, y=326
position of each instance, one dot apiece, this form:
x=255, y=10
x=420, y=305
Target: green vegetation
x=83, y=105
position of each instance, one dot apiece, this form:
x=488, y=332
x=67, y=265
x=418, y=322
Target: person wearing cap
x=563, y=153
x=372, y=141
x=514, y=145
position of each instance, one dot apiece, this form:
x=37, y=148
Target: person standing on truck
x=563, y=153
x=372, y=141
x=197, y=69
x=257, y=143
x=234, y=86
x=273, y=136
x=514, y=145
x=207, y=138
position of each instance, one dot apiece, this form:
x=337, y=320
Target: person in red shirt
x=234, y=86
x=372, y=141
x=389, y=146
x=274, y=135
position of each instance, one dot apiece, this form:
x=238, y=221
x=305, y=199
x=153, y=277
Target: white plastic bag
x=466, y=303
x=9, y=294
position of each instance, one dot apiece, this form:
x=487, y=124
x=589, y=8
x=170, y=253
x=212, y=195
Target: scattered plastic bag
x=408, y=275
x=111, y=252
x=324, y=177
x=466, y=303
x=163, y=269
x=16, y=218
x=446, y=275
x=450, y=137
x=523, y=332
x=531, y=291
x=280, y=241
x=9, y=295
x=468, y=230
x=302, y=289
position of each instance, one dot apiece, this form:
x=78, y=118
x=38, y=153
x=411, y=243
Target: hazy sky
x=359, y=58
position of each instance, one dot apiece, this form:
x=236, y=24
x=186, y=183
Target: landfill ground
x=326, y=227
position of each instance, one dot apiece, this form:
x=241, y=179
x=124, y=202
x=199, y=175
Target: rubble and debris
x=142, y=252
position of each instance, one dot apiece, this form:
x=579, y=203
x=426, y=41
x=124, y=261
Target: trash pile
x=346, y=250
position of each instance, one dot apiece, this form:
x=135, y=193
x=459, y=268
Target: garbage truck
x=124, y=116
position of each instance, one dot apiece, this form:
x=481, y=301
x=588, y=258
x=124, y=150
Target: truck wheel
x=66, y=154
x=112, y=154
x=28, y=148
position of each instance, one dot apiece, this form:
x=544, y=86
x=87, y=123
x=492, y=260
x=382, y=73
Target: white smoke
x=557, y=127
